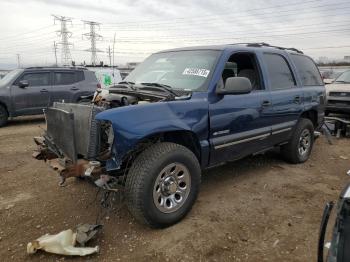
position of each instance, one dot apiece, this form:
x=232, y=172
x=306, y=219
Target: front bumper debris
x=65, y=168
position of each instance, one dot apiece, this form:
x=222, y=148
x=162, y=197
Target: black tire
x=3, y=116
x=144, y=175
x=291, y=151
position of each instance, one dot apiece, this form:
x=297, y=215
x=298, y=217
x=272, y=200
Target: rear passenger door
x=286, y=96
x=66, y=86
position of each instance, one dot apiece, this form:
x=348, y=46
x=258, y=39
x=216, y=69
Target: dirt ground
x=256, y=209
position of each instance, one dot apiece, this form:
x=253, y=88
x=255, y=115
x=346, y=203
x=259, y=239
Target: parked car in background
x=2, y=74
x=338, y=246
x=28, y=91
x=202, y=106
x=107, y=77
x=338, y=94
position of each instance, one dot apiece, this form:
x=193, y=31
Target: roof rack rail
x=278, y=47
x=70, y=67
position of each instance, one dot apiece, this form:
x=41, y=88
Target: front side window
x=280, y=74
x=186, y=70
x=243, y=65
x=64, y=78
x=37, y=79
x=307, y=70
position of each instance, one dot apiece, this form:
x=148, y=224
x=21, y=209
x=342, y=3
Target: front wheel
x=300, y=145
x=162, y=184
x=3, y=116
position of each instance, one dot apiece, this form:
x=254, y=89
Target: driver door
x=33, y=98
x=239, y=123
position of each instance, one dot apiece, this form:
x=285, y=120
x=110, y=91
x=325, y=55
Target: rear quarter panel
x=315, y=100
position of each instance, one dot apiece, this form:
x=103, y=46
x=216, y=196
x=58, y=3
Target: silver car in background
x=338, y=94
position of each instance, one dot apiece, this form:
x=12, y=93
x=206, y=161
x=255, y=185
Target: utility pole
x=113, y=48
x=109, y=55
x=18, y=61
x=55, y=50
x=66, y=57
x=93, y=37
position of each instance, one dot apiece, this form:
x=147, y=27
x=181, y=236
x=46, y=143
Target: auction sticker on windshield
x=196, y=72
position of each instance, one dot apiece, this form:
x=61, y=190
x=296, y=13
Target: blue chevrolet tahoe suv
x=182, y=111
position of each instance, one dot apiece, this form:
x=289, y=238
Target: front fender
x=132, y=124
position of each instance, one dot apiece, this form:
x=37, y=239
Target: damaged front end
x=77, y=144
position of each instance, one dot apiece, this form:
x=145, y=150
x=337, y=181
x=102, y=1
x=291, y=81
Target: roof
x=245, y=46
x=57, y=67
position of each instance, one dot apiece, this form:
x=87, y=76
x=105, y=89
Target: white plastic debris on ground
x=64, y=242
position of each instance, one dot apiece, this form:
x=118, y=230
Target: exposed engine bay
x=76, y=144
x=120, y=96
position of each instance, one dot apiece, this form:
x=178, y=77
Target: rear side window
x=64, y=78
x=307, y=70
x=80, y=76
x=37, y=79
x=280, y=74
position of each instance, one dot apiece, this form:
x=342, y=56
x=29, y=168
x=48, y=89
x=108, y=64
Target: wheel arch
x=312, y=116
x=5, y=106
x=185, y=138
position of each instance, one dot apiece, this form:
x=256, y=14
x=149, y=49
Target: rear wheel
x=300, y=145
x=3, y=116
x=162, y=184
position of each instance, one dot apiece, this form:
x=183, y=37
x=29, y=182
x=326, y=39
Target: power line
x=93, y=37
x=12, y=37
x=66, y=57
x=242, y=14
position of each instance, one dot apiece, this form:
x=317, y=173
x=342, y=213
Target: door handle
x=44, y=90
x=74, y=88
x=266, y=103
x=297, y=99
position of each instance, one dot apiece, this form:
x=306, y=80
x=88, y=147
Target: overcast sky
x=320, y=28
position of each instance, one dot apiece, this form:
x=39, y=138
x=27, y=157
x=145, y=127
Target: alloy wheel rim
x=304, y=142
x=171, y=188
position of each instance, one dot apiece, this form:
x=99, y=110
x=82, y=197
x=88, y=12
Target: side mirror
x=235, y=86
x=23, y=83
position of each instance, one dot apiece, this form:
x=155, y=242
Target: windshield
x=187, y=70
x=9, y=76
x=344, y=77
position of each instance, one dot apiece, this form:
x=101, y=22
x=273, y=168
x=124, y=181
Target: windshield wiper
x=161, y=86
x=127, y=82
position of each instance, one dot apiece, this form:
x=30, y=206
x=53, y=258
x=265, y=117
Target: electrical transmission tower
x=93, y=37
x=66, y=57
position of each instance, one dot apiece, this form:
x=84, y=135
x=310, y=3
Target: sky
x=320, y=28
